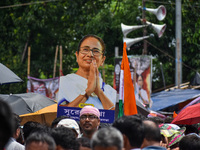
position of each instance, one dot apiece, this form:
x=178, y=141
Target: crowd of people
x=86, y=86
x=134, y=132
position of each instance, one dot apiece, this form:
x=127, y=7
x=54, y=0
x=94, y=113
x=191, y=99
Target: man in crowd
x=40, y=141
x=152, y=136
x=32, y=126
x=190, y=142
x=84, y=143
x=89, y=120
x=132, y=129
x=6, y=125
x=107, y=139
x=65, y=138
x=12, y=143
x=71, y=124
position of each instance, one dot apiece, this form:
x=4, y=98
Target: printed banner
x=72, y=86
x=106, y=116
x=140, y=68
x=46, y=87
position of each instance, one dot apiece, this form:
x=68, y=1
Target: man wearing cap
x=89, y=120
x=71, y=124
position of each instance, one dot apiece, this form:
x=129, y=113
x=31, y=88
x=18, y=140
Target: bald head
x=150, y=123
x=152, y=133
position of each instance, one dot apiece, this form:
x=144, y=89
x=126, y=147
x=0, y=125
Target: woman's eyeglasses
x=86, y=50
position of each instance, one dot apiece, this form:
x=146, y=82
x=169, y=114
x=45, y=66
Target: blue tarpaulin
x=165, y=99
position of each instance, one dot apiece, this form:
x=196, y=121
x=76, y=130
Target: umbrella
x=45, y=115
x=190, y=115
x=195, y=101
x=7, y=76
x=27, y=102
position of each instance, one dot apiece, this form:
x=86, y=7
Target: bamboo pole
x=29, y=60
x=61, y=61
x=55, y=61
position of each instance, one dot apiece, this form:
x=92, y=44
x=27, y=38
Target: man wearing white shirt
x=12, y=143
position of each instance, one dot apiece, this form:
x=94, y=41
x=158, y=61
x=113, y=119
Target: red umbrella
x=190, y=115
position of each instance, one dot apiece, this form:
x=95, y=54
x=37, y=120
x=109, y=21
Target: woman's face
x=84, y=60
x=140, y=81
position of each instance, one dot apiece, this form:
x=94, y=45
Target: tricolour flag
x=126, y=89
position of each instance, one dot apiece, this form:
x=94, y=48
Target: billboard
x=140, y=68
x=72, y=98
x=46, y=87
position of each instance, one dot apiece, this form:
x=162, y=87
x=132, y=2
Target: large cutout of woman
x=86, y=87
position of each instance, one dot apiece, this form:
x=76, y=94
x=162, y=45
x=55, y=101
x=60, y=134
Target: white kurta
x=72, y=85
x=143, y=94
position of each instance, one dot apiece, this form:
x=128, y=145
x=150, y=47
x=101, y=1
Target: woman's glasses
x=86, y=50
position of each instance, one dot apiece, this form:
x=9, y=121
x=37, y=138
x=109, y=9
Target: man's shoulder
x=14, y=145
x=19, y=146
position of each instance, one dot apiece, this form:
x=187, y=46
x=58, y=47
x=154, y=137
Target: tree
x=44, y=25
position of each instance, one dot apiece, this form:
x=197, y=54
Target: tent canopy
x=166, y=99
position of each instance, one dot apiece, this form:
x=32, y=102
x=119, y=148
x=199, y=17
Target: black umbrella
x=27, y=102
x=7, y=76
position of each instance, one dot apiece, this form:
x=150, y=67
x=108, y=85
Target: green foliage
x=107, y=72
x=44, y=25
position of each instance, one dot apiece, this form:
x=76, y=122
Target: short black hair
x=190, y=142
x=96, y=37
x=6, y=125
x=84, y=141
x=65, y=137
x=41, y=137
x=151, y=131
x=57, y=120
x=157, y=120
x=132, y=127
x=191, y=129
x=16, y=122
x=30, y=127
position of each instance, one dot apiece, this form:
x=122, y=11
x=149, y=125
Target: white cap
x=71, y=124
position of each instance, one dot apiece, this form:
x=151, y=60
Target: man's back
x=132, y=129
x=152, y=136
x=14, y=145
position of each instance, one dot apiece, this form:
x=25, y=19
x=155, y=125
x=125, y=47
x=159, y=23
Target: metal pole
x=144, y=52
x=163, y=77
x=116, y=51
x=178, y=60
